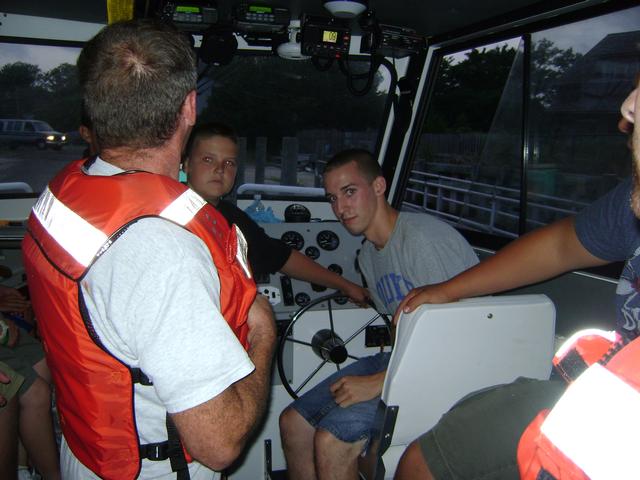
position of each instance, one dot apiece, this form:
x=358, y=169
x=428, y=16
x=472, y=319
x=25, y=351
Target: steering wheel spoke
x=325, y=343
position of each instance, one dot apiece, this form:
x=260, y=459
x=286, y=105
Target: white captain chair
x=443, y=353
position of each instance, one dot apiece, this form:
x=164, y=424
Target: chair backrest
x=445, y=352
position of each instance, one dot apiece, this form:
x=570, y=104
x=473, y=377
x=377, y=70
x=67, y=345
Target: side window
x=468, y=152
x=473, y=153
x=577, y=86
x=44, y=88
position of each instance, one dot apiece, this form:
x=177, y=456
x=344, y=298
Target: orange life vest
x=75, y=221
x=588, y=433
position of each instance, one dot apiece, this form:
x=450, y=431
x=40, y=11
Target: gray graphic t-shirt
x=421, y=250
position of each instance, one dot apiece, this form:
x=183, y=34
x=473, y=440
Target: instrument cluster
x=327, y=243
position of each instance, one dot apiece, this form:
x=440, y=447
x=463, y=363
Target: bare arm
x=536, y=256
x=303, y=268
x=215, y=432
x=352, y=389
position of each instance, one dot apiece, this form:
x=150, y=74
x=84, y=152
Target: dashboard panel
x=329, y=244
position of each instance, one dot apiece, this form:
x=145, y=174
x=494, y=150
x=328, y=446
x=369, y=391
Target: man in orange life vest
x=480, y=437
x=143, y=292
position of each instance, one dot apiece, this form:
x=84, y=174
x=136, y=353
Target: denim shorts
x=350, y=424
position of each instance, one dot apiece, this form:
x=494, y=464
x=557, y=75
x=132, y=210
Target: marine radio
x=393, y=42
x=324, y=37
x=261, y=18
x=190, y=15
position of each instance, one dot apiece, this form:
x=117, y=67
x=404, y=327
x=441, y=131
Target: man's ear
x=85, y=133
x=379, y=185
x=189, y=108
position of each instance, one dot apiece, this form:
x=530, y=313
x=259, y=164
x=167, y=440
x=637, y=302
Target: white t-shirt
x=154, y=299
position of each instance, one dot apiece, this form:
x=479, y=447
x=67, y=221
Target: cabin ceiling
x=427, y=17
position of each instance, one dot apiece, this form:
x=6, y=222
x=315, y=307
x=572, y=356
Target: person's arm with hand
x=216, y=431
x=3, y=379
x=352, y=389
x=11, y=300
x=14, y=332
x=536, y=256
x=303, y=268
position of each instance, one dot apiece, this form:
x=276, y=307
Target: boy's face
x=211, y=167
x=352, y=197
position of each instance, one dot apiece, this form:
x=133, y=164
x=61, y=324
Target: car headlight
x=51, y=138
x=64, y=137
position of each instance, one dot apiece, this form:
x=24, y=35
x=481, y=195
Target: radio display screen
x=329, y=36
x=187, y=9
x=260, y=9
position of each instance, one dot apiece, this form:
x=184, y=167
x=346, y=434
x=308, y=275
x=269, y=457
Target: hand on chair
x=428, y=294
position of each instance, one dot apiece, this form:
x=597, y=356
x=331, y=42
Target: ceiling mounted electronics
x=261, y=18
x=345, y=8
x=191, y=15
x=325, y=37
x=292, y=50
x=218, y=47
x=393, y=42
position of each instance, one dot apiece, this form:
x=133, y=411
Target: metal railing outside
x=481, y=206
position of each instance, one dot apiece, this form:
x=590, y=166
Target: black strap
x=571, y=366
x=544, y=475
x=170, y=449
x=155, y=452
x=176, y=454
x=138, y=376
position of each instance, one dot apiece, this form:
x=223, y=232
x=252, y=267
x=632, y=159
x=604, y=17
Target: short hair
x=208, y=130
x=366, y=162
x=135, y=76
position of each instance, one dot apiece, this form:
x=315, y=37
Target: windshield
x=289, y=115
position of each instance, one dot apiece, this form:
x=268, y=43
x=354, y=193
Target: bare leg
x=297, y=442
x=23, y=458
x=412, y=465
x=335, y=459
x=42, y=369
x=9, y=439
x=36, y=427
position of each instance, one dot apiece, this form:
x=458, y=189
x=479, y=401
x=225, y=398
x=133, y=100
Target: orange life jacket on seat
x=592, y=429
x=75, y=221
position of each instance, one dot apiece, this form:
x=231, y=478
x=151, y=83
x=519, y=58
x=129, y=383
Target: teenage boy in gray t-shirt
x=327, y=428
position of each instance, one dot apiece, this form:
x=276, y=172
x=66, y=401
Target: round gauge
x=302, y=299
x=312, y=252
x=328, y=240
x=296, y=213
x=293, y=239
x=335, y=268
x=318, y=288
x=341, y=300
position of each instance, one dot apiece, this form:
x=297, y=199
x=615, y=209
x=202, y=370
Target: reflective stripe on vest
x=77, y=236
x=596, y=424
x=83, y=241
